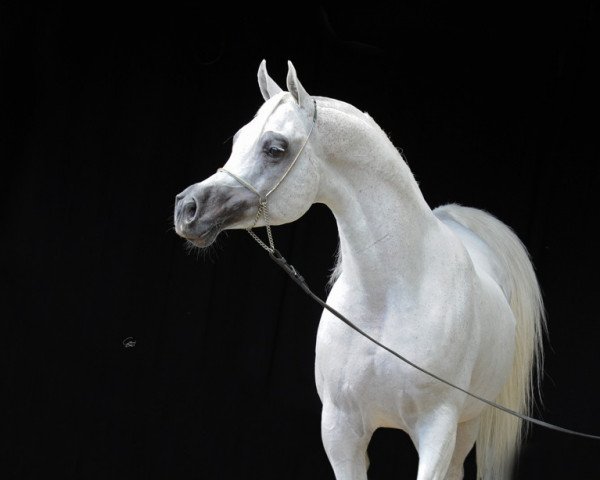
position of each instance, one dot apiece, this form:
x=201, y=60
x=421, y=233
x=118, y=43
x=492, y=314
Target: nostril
x=189, y=211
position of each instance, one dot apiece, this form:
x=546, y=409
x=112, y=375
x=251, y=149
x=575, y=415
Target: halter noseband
x=262, y=200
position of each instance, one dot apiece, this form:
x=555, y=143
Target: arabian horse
x=452, y=289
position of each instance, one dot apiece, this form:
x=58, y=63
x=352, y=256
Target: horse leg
x=345, y=440
x=466, y=434
x=435, y=439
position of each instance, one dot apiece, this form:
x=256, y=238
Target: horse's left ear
x=297, y=90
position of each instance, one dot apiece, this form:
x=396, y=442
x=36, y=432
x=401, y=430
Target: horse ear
x=267, y=85
x=296, y=89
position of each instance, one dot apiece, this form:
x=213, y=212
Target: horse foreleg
x=345, y=440
x=435, y=440
x=466, y=435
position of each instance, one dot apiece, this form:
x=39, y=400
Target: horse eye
x=275, y=151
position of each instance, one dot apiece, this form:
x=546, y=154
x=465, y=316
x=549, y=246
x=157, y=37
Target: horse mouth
x=203, y=239
x=201, y=213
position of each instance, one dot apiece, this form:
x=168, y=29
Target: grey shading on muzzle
x=203, y=211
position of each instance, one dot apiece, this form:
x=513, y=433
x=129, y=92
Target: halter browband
x=262, y=200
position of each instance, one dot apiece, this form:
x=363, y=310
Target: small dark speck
x=129, y=342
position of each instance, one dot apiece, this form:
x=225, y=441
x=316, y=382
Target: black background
x=107, y=113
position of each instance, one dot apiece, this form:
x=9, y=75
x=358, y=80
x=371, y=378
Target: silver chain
x=264, y=211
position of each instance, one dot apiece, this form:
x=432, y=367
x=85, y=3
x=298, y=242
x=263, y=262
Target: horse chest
x=353, y=370
x=357, y=375
x=367, y=382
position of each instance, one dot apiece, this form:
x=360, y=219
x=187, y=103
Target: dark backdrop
x=107, y=113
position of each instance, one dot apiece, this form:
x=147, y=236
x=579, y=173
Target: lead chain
x=264, y=211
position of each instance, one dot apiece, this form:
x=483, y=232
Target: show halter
x=299, y=280
x=263, y=208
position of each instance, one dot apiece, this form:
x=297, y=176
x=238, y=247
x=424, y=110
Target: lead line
x=299, y=280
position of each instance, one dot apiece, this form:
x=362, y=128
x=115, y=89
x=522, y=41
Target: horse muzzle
x=203, y=210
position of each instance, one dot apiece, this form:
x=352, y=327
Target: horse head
x=259, y=169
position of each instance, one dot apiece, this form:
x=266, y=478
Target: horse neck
x=384, y=223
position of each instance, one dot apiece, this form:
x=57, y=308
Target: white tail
x=500, y=435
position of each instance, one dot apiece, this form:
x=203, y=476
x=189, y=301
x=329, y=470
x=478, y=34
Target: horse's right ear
x=267, y=85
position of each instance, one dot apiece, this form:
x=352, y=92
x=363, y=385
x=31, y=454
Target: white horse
x=453, y=289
